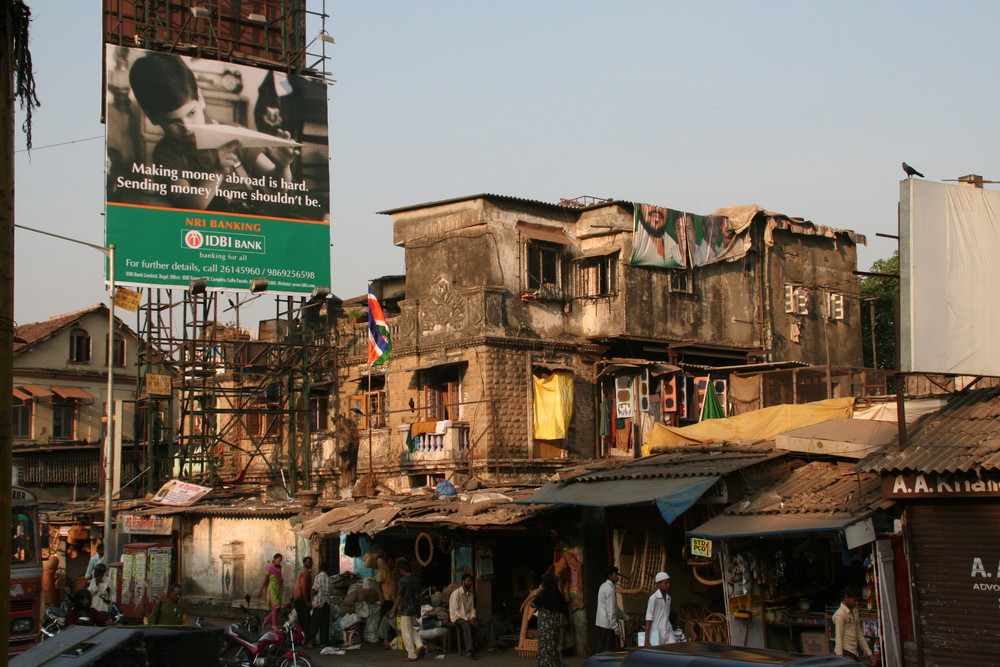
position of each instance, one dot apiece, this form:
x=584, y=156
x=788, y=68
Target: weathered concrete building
x=531, y=333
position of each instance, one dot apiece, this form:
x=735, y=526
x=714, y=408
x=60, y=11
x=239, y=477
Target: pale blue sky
x=806, y=108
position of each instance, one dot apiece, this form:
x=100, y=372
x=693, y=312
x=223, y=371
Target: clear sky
x=805, y=108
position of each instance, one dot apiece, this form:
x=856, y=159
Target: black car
x=710, y=654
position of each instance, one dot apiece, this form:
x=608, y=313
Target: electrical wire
x=63, y=143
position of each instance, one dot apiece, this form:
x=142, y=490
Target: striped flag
x=379, y=345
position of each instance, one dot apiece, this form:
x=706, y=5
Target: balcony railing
x=448, y=439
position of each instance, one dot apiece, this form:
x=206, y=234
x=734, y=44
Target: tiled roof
x=37, y=332
x=962, y=435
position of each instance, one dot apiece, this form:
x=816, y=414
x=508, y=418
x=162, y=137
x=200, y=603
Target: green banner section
x=169, y=248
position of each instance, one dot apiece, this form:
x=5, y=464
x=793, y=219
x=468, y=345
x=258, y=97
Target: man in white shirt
x=608, y=613
x=658, y=613
x=849, y=637
x=462, y=610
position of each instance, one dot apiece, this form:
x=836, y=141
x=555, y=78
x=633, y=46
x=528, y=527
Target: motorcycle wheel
x=233, y=656
x=301, y=661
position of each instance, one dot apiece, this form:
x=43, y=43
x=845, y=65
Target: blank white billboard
x=950, y=278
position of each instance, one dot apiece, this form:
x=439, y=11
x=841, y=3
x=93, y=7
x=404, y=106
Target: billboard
x=215, y=171
x=948, y=245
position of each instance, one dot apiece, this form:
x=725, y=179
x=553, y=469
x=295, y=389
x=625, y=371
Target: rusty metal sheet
x=956, y=561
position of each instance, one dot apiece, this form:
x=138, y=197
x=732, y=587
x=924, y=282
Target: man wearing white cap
x=658, y=612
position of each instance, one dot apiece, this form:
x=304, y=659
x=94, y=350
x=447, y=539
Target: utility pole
x=18, y=84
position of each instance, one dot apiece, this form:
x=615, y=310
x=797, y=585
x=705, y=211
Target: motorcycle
x=55, y=616
x=275, y=648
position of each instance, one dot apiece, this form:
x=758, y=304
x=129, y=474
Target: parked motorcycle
x=55, y=619
x=55, y=616
x=276, y=648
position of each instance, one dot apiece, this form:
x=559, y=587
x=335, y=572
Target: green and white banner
x=215, y=171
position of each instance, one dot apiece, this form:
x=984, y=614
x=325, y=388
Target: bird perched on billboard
x=911, y=172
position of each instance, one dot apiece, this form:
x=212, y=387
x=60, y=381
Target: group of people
x=310, y=598
x=92, y=603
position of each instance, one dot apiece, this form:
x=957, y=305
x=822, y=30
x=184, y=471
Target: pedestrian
x=95, y=560
x=551, y=606
x=272, y=584
x=407, y=608
x=386, y=579
x=319, y=620
x=849, y=638
x=462, y=611
x=168, y=610
x=658, y=630
x=100, y=588
x=609, y=613
x=302, y=595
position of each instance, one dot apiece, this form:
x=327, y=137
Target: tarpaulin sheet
x=553, y=404
x=671, y=239
x=671, y=495
x=757, y=425
x=949, y=312
x=735, y=525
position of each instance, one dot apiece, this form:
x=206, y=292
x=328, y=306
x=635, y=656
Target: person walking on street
x=168, y=610
x=302, y=595
x=320, y=618
x=462, y=611
x=658, y=613
x=608, y=613
x=551, y=606
x=272, y=584
x=849, y=637
x=407, y=607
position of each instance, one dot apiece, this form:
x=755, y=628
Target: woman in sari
x=551, y=606
x=272, y=584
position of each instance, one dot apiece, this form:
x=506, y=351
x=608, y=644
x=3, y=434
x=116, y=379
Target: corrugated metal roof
x=817, y=487
x=685, y=462
x=963, y=435
x=485, y=195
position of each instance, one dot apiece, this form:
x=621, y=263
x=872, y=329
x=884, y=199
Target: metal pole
x=109, y=441
x=7, y=65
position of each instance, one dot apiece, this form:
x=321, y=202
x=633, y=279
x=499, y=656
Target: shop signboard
x=215, y=172
x=148, y=525
x=984, y=484
x=701, y=547
x=180, y=494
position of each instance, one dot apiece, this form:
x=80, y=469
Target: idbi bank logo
x=243, y=242
x=194, y=239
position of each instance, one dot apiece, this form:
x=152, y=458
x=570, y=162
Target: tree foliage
x=879, y=295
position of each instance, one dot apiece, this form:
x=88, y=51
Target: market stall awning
x=742, y=525
x=73, y=392
x=671, y=495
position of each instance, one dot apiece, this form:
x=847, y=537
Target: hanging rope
x=18, y=17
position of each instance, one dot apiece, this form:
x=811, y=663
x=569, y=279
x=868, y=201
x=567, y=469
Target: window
x=368, y=406
x=63, y=420
x=319, y=412
x=442, y=388
x=835, y=306
x=79, y=346
x=597, y=276
x=796, y=300
x=22, y=418
x=544, y=265
x=118, y=358
x=682, y=281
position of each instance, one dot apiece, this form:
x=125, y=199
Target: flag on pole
x=379, y=345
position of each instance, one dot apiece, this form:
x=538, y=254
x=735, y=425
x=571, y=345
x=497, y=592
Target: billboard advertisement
x=215, y=171
x=948, y=245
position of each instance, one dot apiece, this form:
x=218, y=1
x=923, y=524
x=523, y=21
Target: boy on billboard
x=218, y=178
